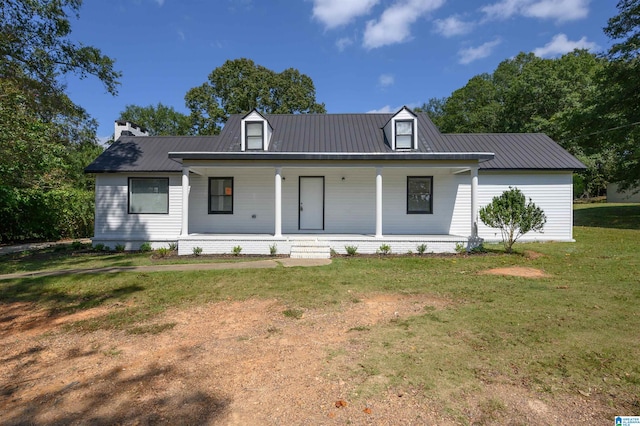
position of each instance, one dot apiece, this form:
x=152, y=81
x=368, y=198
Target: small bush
x=460, y=248
x=145, y=247
x=511, y=213
x=173, y=246
x=76, y=245
x=163, y=252
x=421, y=248
x=98, y=247
x=273, y=249
x=120, y=248
x=197, y=251
x=351, y=250
x=236, y=250
x=384, y=249
x=106, y=248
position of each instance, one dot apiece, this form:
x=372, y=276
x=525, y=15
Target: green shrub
x=173, y=246
x=351, y=250
x=45, y=214
x=106, y=248
x=511, y=213
x=236, y=250
x=273, y=249
x=145, y=247
x=460, y=248
x=421, y=248
x=197, y=251
x=98, y=247
x=163, y=252
x=120, y=248
x=76, y=245
x=384, y=249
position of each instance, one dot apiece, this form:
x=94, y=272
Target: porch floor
x=366, y=243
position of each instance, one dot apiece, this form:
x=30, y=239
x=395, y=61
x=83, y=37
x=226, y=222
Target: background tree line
x=588, y=103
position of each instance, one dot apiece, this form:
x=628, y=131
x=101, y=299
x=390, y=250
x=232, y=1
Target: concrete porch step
x=310, y=250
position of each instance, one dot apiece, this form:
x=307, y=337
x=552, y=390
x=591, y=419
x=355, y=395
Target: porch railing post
x=185, y=201
x=378, y=202
x=278, y=202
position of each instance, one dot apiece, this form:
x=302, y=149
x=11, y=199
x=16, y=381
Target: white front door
x=311, y=203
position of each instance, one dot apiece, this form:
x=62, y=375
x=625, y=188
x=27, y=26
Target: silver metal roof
x=335, y=137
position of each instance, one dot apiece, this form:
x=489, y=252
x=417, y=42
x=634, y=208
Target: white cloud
x=394, y=25
x=386, y=80
x=560, y=44
x=452, y=26
x=471, y=54
x=160, y=2
x=503, y=9
x=558, y=10
x=389, y=109
x=343, y=43
x=335, y=13
x=385, y=109
x=181, y=35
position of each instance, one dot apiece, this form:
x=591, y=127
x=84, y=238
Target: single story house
x=307, y=184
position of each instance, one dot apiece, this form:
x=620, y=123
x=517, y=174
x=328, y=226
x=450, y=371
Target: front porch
x=285, y=244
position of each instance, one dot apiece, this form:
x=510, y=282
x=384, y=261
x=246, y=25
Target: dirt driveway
x=231, y=363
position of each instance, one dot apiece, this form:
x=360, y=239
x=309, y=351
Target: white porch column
x=278, y=197
x=185, y=201
x=378, y=202
x=474, y=202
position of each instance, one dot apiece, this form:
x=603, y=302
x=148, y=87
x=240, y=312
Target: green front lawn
x=575, y=331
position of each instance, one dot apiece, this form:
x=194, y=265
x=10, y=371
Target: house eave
x=330, y=156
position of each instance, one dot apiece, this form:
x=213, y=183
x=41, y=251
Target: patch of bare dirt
x=231, y=363
x=516, y=271
x=533, y=255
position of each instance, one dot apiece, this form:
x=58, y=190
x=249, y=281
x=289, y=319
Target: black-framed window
x=419, y=194
x=404, y=134
x=148, y=196
x=254, y=135
x=220, y=195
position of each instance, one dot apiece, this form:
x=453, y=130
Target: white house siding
x=395, y=219
x=349, y=203
x=114, y=225
x=253, y=202
x=629, y=196
x=551, y=191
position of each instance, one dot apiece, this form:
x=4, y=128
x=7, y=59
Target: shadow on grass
x=111, y=396
x=51, y=258
x=43, y=291
x=607, y=216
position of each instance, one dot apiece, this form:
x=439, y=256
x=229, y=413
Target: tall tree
x=240, y=85
x=617, y=114
x=473, y=108
x=45, y=139
x=434, y=107
x=158, y=120
x=34, y=42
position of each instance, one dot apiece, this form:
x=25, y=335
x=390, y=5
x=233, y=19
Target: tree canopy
x=45, y=139
x=240, y=85
x=158, y=120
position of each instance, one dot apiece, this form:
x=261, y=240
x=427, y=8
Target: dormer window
x=254, y=133
x=404, y=134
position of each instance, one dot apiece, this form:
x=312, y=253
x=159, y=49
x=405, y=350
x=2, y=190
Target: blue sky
x=363, y=55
